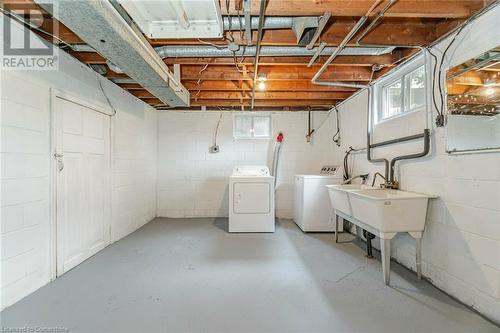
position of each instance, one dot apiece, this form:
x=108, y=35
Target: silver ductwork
x=171, y=51
x=100, y=25
x=207, y=51
x=113, y=67
x=275, y=22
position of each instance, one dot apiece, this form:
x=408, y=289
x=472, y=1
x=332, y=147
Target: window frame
x=253, y=115
x=381, y=88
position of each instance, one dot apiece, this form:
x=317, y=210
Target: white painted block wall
x=193, y=182
x=26, y=164
x=461, y=244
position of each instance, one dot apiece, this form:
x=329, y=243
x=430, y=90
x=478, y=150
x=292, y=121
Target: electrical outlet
x=214, y=149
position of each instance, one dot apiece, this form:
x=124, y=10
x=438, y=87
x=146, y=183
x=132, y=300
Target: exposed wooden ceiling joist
x=405, y=32
x=386, y=59
x=403, y=8
x=258, y=103
x=202, y=95
x=236, y=85
x=407, y=23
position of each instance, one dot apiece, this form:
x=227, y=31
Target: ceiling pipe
x=347, y=39
x=262, y=12
x=100, y=25
x=375, y=20
x=275, y=22
x=207, y=51
x=171, y=51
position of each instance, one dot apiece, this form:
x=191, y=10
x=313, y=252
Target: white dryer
x=313, y=210
x=251, y=199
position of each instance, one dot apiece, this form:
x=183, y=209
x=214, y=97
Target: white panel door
x=251, y=198
x=82, y=153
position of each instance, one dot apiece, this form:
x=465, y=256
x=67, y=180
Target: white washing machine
x=313, y=210
x=251, y=199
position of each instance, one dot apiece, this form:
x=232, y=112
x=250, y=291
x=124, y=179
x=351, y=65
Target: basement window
x=250, y=126
x=404, y=94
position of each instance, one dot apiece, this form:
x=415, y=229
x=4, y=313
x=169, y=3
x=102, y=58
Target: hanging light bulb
x=262, y=85
x=262, y=82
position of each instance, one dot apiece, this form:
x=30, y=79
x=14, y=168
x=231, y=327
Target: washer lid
x=251, y=171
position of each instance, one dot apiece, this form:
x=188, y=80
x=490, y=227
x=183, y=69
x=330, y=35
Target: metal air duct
x=102, y=27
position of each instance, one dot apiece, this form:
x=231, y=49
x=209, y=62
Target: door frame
x=98, y=107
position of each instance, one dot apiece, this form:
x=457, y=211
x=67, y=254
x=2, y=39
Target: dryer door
x=251, y=198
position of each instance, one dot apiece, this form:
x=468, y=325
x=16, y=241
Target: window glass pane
x=393, y=100
x=415, y=89
x=242, y=126
x=261, y=127
x=250, y=126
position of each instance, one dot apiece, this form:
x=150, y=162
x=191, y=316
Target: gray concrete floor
x=190, y=275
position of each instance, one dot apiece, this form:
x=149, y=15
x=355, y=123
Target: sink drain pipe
x=369, y=249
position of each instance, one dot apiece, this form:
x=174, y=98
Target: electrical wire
x=242, y=34
x=34, y=27
x=236, y=63
x=106, y=96
x=433, y=86
x=346, y=160
x=230, y=22
x=219, y=47
x=217, y=128
x=199, y=74
x=440, y=83
x=336, y=136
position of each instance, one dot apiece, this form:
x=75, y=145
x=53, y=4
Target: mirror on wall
x=473, y=104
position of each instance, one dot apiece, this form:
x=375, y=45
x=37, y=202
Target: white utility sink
x=382, y=212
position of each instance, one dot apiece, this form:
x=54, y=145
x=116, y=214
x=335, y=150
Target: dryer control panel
x=330, y=170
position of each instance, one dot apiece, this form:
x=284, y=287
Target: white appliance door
x=82, y=153
x=251, y=198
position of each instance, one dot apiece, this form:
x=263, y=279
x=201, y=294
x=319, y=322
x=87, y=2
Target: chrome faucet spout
x=363, y=177
x=375, y=178
x=391, y=184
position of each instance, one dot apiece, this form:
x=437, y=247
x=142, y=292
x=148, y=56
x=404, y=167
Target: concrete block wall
x=194, y=182
x=25, y=146
x=134, y=170
x=461, y=244
x=26, y=164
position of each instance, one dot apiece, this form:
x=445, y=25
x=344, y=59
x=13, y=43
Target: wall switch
x=214, y=149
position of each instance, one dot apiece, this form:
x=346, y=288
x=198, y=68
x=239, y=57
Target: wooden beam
x=88, y=57
x=399, y=31
x=341, y=73
x=403, y=8
x=341, y=60
x=218, y=73
x=388, y=31
x=247, y=86
x=228, y=95
x=258, y=103
x=386, y=59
